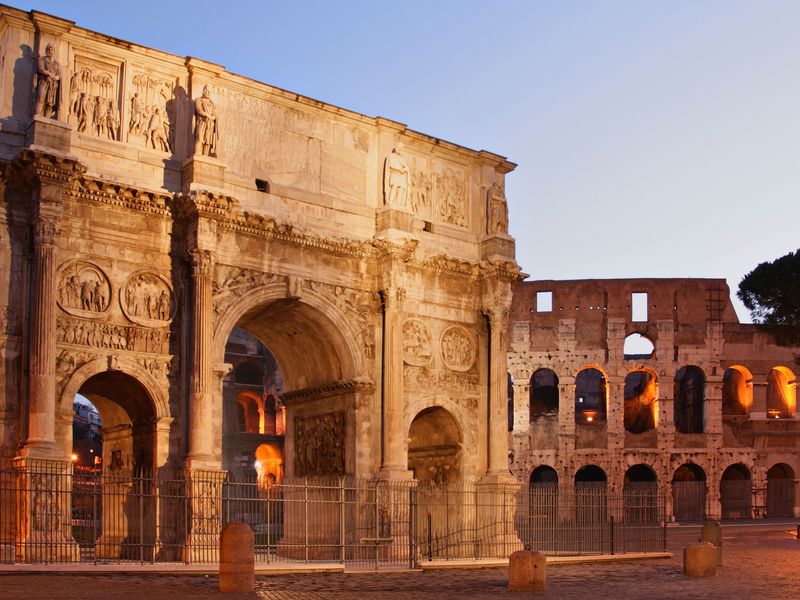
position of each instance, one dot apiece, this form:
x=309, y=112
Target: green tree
x=771, y=292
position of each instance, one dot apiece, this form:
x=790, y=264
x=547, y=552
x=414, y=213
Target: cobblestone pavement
x=758, y=564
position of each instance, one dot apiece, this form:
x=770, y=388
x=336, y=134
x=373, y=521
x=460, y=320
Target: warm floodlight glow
x=74, y=458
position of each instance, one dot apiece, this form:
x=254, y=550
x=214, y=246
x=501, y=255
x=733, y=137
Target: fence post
x=305, y=519
x=342, y=528
x=612, y=534
x=141, y=516
x=430, y=539
x=412, y=526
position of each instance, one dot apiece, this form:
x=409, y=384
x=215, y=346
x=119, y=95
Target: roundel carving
x=147, y=299
x=83, y=289
x=417, y=343
x=457, y=348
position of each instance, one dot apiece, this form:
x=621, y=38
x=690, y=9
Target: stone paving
x=759, y=563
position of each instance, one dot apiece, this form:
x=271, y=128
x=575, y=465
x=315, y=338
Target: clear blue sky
x=653, y=138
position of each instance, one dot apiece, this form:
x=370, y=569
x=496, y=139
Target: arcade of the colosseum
x=647, y=382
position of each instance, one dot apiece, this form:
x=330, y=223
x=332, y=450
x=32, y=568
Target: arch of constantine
x=153, y=205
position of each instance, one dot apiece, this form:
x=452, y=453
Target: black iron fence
x=53, y=512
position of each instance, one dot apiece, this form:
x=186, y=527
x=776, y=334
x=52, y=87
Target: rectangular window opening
x=639, y=307
x=544, y=301
x=262, y=185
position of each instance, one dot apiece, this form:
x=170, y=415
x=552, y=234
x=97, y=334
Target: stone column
x=393, y=432
x=42, y=347
x=200, y=426
x=497, y=460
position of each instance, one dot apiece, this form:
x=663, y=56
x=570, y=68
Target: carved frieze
x=93, y=98
x=160, y=368
x=421, y=191
x=417, y=343
x=84, y=290
x=319, y=445
x=457, y=349
x=425, y=378
x=147, y=299
x=151, y=112
x=67, y=363
x=231, y=283
x=96, y=334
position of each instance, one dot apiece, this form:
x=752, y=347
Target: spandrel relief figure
x=206, y=127
x=396, y=179
x=497, y=211
x=48, y=84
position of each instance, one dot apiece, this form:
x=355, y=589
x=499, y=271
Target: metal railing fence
x=52, y=512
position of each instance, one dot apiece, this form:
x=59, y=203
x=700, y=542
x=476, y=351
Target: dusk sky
x=654, y=139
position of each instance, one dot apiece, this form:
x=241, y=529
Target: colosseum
x=653, y=382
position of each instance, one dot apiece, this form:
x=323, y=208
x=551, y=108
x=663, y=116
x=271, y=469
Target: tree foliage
x=771, y=292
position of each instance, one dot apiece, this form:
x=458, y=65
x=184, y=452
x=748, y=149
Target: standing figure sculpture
x=206, y=130
x=396, y=179
x=497, y=221
x=48, y=84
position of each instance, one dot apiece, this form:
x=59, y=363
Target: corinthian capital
x=202, y=261
x=45, y=231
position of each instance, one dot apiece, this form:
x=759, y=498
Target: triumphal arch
x=152, y=203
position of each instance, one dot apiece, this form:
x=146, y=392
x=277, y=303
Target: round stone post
x=527, y=571
x=712, y=533
x=237, y=559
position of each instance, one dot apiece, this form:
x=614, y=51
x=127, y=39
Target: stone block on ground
x=712, y=533
x=527, y=571
x=700, y=560
x=237, y=559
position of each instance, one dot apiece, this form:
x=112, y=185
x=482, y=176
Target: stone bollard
x=527, y=571
x=237, y=559
x=700, y=560
x=712, y=533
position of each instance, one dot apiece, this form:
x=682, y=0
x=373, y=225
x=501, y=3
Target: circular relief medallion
x=417, y=343
x=83, y=289
x=458, y=351
x=147, y=299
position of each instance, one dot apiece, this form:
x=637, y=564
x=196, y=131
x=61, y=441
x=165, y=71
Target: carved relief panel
x=417, y=343
x=94, y=97
x=319, y=445
x=147, y=299
x=151, y=112
x=457, y=349
x=450, y=195
x=83, y=289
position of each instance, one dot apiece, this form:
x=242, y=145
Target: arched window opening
x=510, y=403
x=543, y=394
x=780, y=491
x=737, y=392
x=638, y=347
x=641, y=407
x=268, y=465
x=689, y=493
x=736, y=492
x=640, y=495
x=591, y=395
x=690, y=383
x=781, y=393
x=544, y=474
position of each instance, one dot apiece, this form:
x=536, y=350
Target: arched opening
x=737, y=391
x=250, y=409
x=591, y=394
x=780, y=491
x=303, y=356
x=640, y=495
x=434, y=447
x=690, y=384
x=781, y=393
x=541, y=530
x=689, y=493
x=269, y=465
x=114, y=440
x=641, y=406
x=638, y=347
x=543, y=394
x=510, y=403
x=591, y=504
x=736, y=492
